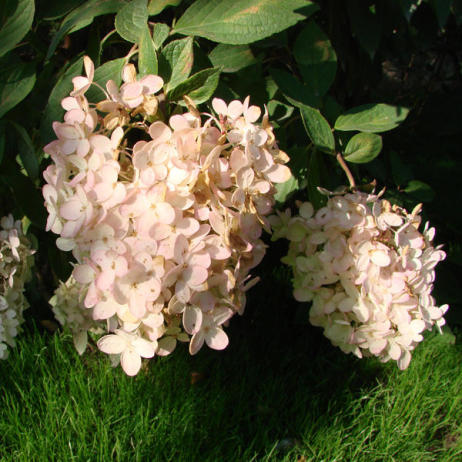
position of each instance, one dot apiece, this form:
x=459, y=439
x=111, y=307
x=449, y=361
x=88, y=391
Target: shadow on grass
x=278, y=383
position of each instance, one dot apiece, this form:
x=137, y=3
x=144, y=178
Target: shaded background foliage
x=325, y=58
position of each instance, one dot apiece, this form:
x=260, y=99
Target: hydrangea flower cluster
x=163, y=219
x=15, y=262
x=368, y=271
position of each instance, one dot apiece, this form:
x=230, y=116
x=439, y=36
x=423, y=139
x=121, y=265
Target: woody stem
x=347, y=171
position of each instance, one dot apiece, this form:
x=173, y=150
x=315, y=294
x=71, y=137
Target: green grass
x=280, y=391
x=247, y=405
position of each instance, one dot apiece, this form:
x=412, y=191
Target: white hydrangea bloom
x=368, y=271
x=15, y=261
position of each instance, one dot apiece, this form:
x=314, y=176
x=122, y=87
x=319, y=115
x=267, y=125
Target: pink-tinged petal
x=195, y=275
x=80, y=84
x=152, y=83
x=172, y=276
x=404, y=361
x=83, y=147
x=70, y=103
x=137, y=304
x=165, y=212
x=89, y=67
x=144, y=348
x=204, y=300
x=105, y=279
x=84, y=274
x=380, y=258
x=103, y=191
x=74, y=116
x=104, y=309
x=179, y=122
x=187, y=226
x=196, y=342
x=92, y=297
x=278, y=173
x=245, y=177
x=130, y=362
x=377, y=346
x=181, y=249
x=166, y=346
x=192, y=319
x=235, y=109
x=252, y=114
x=160, y=132
x=182, y=291
x=80, y=341
x=216, y=338
x=216, y=221
x=219, y=106
x=112, y=344
x=221, y=314
x=234, y=136
x=148, y=177
x=417, y=325
x=65, y=244
x=394, y=351
x=131, y=91
x=200, y=259
x=101, y=143
x=238, y=160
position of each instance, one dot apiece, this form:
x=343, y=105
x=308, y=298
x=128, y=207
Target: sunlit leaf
x=318, y=129
x=131, y=20
x=199, y=87
x=363, y=147
x=232, y=58
x=179, y=58
x=241, y=21
x=157, y=6
x=373, y=118
x=147, y=61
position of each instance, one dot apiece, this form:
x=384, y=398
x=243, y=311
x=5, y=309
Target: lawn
x=279, y=392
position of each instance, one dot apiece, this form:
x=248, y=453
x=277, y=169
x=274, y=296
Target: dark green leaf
x=295, y=92
x=400, y=171
x=27, y=152
x=241, y=21
x=179, y=58
x=160, y=34
x=53, y=110
x=316, y=59
x=17, y=79
x=365, y=25
x=199, y=87
x=82, y=17
x=442, y=9
x=318, y=129
x=363, y=147
x=232, y=58
x=147, y=62
x=420, y=191
x=26, y=196
x=284, y=190
x=373, y=118
x=56, y=9
x=17, y=24
x=157, y=6
x=111, y=70
x=131, y=20
x=314, y=180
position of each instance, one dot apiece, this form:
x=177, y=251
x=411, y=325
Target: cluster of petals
x=368, y=271
x=163, y=218
x=15, y=261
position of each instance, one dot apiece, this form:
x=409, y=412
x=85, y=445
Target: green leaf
x=157, y=6
x=363, y=147
x=241, y=21
x=17, y=79
x=147, y=60
x=295, y=92
x=54, y=10
x=374, y=118
x=27, y=152
x=365, y=25
x=53, y=110
x=284, y=190
x=314, y=180
x=232, y=58
x=316, y=58
x=17, y=24
x=199, y=87
x=179, y=58
x=318, y=129
x=160, y=34
x=442, y=9
x=420, y=191
x=111, y=70
x=131, y=20
x=82, y=17
x=26, y=196
x=400, y=171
